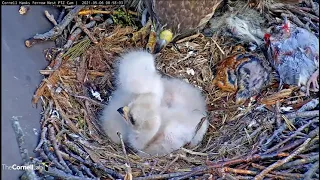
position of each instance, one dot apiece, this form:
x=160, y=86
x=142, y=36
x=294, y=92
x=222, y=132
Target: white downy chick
x=142, y=116
x=137, y=73
x=187, y=100
x=154, y=124
x=177, y=129
x=155, y=130
x=111, y=121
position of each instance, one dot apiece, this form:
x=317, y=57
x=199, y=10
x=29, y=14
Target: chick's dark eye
x=132, y=120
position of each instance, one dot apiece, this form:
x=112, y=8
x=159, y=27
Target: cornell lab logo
x=18, y=167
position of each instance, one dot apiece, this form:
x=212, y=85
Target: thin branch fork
x=56, y=30
x=283, y=161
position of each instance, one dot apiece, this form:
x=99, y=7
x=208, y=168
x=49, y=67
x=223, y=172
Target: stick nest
x=254, y=140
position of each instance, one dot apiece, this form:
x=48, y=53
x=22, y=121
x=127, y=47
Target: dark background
x=20, y=77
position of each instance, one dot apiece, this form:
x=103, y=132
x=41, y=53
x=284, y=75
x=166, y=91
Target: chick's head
x=143, y=113
x=137, y=73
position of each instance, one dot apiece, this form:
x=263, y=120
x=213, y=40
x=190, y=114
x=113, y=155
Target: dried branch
x=30, y=173
x=75, y=148
x=86, y=30
x=291, y=145
x=61, y=175
x=128, y=175
x=93, y=11
x=281, y=162
x=75, y=170
x=76, y=33
x=87, y=171
x=283, y=174
x=246, y=159
x=299, y=162
x=42, y=138
x=162, y=176
x=55, y=31
x=168, y=165
x=47, y=154
x=312, y=171
x=306, y=114
x=310, y=105
x=108, y=171
x=61, y=15
x=50, y=17
x=53, y=140
x=297, y=132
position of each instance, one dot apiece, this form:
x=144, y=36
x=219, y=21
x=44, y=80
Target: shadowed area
x=20, y=77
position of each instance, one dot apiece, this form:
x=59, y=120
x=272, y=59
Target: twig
x=42, y=138
x=53, y=140
x=50, y=17
x=123, y=147
x=281, y=162
x=70, y=124
x=308, y=175
x=43, y=155
x=297, y=132
x=108, y=171
x=246, y=159
x=70, y=155
x=89, y=99
x=291, y=117
x=87, y=171
x=168, y=165
x=292, y=175
x=75, y=170
x=302, y=13
x=55, y=31
x=29, y=173
x=275, y=134
x=248, y=172
x=238, y=171
x=58, y=60
x=190, y=174
x=48, y=155
x=291, y=145
x=299, y=162
x=312, y=25
x=194, y=153
x=295, y=19
x=314, y=132
x=86, y=30
x=128, y=175
x=220, y=49
x=70, y=158
x=162, y=176
x=75, y=148
x=314, y=7
x=76, y=33
x=310, y=105
x=61, y=175
x=306, y=114
x=93, y=11
x=278, y=114
x=61, y=15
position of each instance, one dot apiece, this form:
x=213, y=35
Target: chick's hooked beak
x=124, y=112
x=165, y=38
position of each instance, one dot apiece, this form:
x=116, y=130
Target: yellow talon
x=166, y=35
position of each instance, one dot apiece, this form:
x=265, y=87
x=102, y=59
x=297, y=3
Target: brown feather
x=184, y=15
